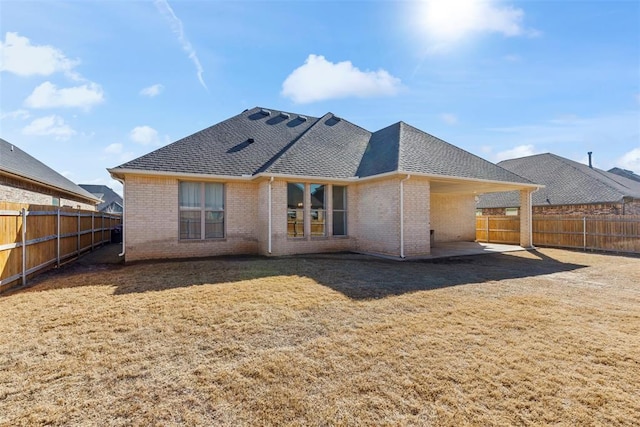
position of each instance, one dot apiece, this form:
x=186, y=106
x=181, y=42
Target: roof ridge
x=600, y=172
x=279, y=155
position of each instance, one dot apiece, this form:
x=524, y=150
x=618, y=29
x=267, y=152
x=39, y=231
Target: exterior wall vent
x=265, y=112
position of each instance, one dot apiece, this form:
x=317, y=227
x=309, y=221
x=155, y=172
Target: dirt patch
x=546, y=337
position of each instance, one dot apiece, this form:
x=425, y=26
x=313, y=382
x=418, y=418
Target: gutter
x=402, y=216
x=307, y=178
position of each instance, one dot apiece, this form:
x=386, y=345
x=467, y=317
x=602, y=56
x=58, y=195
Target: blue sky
x=88, y=85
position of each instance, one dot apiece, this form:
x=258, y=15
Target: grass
x=525, y=338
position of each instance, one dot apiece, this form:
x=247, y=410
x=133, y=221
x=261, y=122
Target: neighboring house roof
x=566, y=183
x=626, y=173
x=15, y=162
x=105, y=194
x=264, y=141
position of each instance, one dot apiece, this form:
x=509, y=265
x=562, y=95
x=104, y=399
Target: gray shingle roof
x=327, y=147
x=106, y=194
x=17, y=162
x=226, y=148
x=566, y=183
x=626, y=173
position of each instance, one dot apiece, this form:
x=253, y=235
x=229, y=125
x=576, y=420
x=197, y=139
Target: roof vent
x=589, y=154
x=303, y=118
x=284, y=115
x=251, y=140
x=265, y=112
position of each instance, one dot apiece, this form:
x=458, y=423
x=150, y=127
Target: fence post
x=584, y=233
x=58, y=232
x=488, y=229
x=93, y=230
x=24, y=246
x=78, y=239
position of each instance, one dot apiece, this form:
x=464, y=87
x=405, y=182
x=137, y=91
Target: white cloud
x=144, y=135
x=47, y=95
x=115, y=148
x=49, y=126
x=448, y=22
x=631, y=160
x=448, y=118
x=152, y=91
x=178, y=30
x=319, y=79
x=516, y=152
x=19, y=56
x=16, y=115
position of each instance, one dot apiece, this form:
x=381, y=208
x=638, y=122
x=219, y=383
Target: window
x=318, y=211
x=339, y=210
x=511, y=211
x=55, y=201
x=295, y=209
x=201, y=210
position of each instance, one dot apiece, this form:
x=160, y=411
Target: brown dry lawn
x=525, y=338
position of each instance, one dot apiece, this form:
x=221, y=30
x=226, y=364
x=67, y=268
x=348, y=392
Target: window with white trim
x=339, y=210
x=201, y=206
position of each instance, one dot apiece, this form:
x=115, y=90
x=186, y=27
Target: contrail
x=178, y=30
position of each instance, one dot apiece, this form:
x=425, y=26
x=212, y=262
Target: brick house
x=24, y=179
x=278, y=183
x=570, y=188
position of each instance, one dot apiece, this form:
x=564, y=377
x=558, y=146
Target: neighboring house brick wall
x=152, y=222
x=632, y=208
x=494, y=211
x=17, y=191
x=453, y=217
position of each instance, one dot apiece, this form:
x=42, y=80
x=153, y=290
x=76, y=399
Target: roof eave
x=7, y=172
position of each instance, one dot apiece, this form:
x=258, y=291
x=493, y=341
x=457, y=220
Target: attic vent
x=265, y=112
x=336, y=118
x=284, y=115
x=303, y=118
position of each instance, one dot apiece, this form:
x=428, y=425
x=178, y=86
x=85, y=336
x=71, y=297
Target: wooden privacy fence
x=617, y=233
x=36, y=237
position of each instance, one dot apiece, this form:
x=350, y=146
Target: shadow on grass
x=356, y=276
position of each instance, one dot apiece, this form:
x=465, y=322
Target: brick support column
x=526, y=218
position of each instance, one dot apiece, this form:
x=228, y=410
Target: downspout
x=123, y=217
x=402, y=216
x=269, y=203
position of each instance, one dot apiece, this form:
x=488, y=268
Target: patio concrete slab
x=453, y=249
